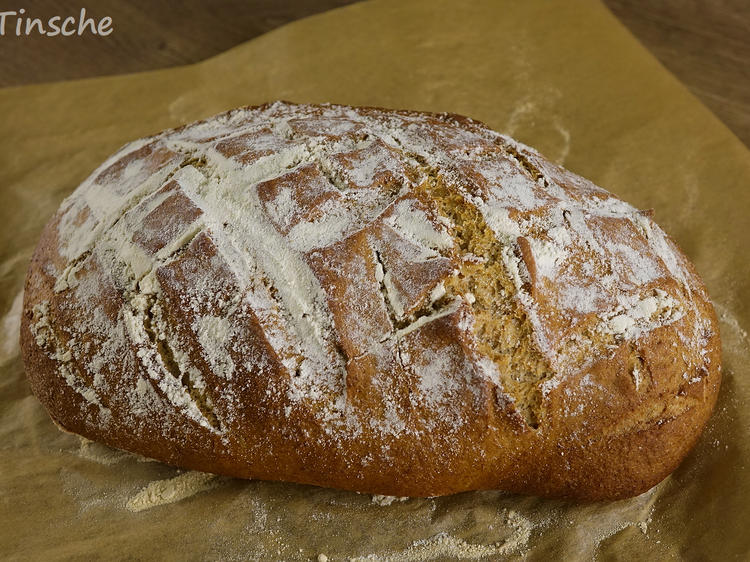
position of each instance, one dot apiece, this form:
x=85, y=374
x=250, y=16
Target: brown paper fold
x=564, y=77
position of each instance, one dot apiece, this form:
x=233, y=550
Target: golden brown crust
x=384, y=301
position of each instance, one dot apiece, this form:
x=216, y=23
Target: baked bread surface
x=391, y=302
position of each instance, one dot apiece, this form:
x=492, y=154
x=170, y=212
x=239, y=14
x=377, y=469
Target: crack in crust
x=159, y=341
x=380, y=277
x=534, y=172
x=503, y=331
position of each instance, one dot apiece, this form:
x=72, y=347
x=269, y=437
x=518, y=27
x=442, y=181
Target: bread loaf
x=391, y=302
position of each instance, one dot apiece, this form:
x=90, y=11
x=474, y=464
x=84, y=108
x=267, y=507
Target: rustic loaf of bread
x=391, y=302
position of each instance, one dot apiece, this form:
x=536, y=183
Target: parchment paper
x=564, y=77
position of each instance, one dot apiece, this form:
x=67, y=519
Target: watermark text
x=23, y=25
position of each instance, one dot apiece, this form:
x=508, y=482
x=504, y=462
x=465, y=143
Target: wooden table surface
x=705, y=43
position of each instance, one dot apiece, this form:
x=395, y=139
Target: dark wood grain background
x=705, y=43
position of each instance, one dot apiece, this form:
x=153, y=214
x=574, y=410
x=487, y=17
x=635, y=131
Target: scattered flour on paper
x=584, y=527
x=87, y=493
x=384, y=501
x=101, y=454
x=161, y=492
x=10, y=326
x=727, y=318
x=596, y=523
x=443, y=544
x=565, y=148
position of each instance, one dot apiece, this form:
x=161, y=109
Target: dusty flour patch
x=597, y=523
x=565, y=147
x=101, y=454
x=265, y=523
x=384, y=501
x=86, y=492
x=444, y=544
x=729, y=320
x=9, y=328
x=171, y=490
